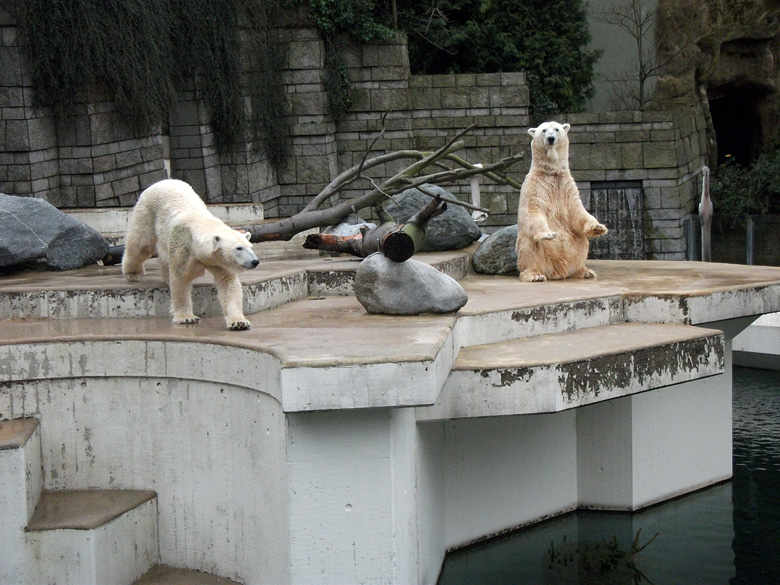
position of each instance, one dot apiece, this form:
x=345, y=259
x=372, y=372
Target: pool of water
x=727, y=534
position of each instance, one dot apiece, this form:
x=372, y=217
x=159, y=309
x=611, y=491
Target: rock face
x=452, y=230
x=38, y=236
x=406, y=288
x=496, y=255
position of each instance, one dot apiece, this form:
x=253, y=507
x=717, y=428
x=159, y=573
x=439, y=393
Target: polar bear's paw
x=133, y=276
x=186, y=319
x=532, y=276
x=547, y=236
x=595, y=229
x=238, y=324
x=585, y=272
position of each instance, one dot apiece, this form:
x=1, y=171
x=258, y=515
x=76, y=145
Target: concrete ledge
x=114, y=221
x=15, y=433
x=101, y=292
x=162, y=575
x=84, y=509
x=551, y=373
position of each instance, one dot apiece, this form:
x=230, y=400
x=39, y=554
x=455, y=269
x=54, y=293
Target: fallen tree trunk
x=396, y=241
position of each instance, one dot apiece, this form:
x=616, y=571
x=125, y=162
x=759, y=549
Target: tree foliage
x=738, y=191
x=545, y=38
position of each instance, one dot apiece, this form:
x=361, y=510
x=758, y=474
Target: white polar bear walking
x=553, y=226
x=171, y=220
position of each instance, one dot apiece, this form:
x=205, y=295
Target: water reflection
x=727, y=534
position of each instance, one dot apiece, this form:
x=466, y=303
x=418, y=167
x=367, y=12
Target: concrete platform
x=329, y=445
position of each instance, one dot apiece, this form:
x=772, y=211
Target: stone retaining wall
x=92, y=159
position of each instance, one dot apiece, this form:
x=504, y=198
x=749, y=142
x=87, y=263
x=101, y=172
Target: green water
x=727, y=534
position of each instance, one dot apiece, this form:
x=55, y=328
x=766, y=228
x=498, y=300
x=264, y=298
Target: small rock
x=36, y=235
x=406, y=288
x=497, y=255
x=452, y=230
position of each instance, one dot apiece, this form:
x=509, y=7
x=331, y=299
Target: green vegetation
x=739, y=191
x=142, y=51
x=545, y=38
x=599, y=563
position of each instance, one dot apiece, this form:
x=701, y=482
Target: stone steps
x=76, y=537
x=586, y=366
x=164, y=575
x=103, y=536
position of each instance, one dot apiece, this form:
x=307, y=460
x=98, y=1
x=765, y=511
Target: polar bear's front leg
x=231, y=298
x=180, y=282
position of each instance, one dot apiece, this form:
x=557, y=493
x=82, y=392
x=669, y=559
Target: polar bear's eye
x=240, y=248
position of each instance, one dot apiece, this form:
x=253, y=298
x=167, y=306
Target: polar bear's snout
x=246, y=257
x=551, y=136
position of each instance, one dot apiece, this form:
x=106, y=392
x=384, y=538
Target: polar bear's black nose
x=255, y=262
x=551, y=140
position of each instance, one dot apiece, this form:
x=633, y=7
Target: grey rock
x=496, y=254
x=452, y=230
x=349, y=226
x=406, y=288
x=36, y=235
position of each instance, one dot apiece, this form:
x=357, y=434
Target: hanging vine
x=142, y=50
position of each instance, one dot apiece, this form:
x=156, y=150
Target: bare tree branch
x=425, y=168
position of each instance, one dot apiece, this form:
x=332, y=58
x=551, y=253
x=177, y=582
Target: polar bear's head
x=550, y=141
x=231, y=250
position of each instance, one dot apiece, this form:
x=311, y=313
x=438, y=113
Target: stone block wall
x=664, y=151
x=314, y=161
x=497, y=104
x=380, y=88
x=92, y=159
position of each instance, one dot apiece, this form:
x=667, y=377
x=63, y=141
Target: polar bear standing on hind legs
x=553, y=226
x=171, y=220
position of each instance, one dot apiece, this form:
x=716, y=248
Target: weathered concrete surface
x=324, y=411
x=555, y=372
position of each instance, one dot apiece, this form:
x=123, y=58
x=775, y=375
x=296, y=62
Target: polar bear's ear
x=247, y=235
x=531, y=131
x=215, y=240
x=566, y=128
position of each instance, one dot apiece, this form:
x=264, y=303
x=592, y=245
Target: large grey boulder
x=34, y=234
x=496, y=254
x=452, y=230
x=405, y=288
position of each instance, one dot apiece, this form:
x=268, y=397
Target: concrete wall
x=213, y=452
x=92, y=159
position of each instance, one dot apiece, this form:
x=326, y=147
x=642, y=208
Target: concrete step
x=501, y=309
x=164, y=575
x=20, y=487
x=101, y=292
x=94, y=536
x=555, y=372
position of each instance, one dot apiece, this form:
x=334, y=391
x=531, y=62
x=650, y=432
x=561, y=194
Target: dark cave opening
x=737, y=121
